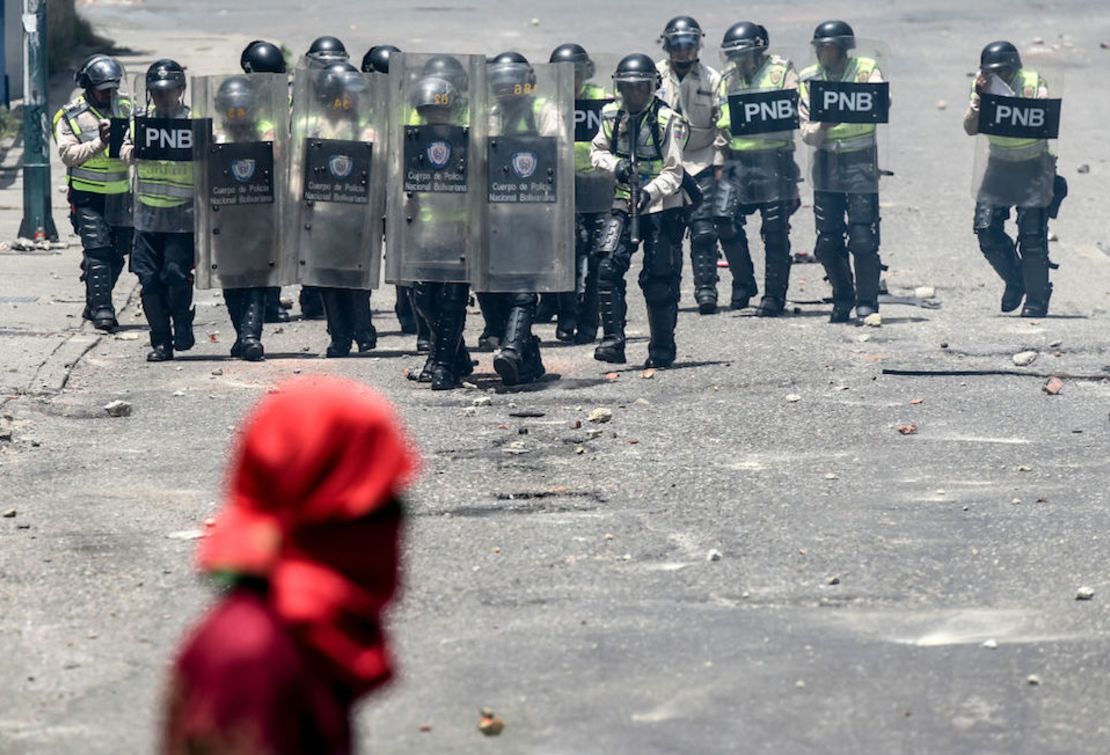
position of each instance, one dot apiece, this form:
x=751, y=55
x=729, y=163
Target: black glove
x=623, y=171
x=645, y=201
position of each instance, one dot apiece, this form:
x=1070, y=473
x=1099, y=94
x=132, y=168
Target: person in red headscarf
x=308, y=542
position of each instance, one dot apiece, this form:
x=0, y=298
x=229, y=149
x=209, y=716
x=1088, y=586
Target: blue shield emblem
x=340, y=165
x=439, y=154
x=243, y=170
x=524, y=164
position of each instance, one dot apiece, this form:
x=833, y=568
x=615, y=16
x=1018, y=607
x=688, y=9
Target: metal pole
x=37, y=222
x=4, y=58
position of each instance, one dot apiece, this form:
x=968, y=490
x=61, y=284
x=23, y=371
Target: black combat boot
x=515, y=362
x=587, y=309
x=312, y=303
x=233, y=300
x=740, y=265
x=567, y=316
x=339, y=327
x=703, y=261
x=274, y=311
x=613, y=310
x=98, y=295
x=839, y=276
x=662, y=319
x=157, y=313
x=868, y=272
x=406, y=314
x=250, y=324
x=180, y=298
x=366, y=336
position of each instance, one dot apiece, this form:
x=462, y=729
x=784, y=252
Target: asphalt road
x=875, y=592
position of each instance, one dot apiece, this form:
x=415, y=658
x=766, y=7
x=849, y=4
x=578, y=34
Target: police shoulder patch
x=776, y=77
x=1029, y=91
x=863, y=76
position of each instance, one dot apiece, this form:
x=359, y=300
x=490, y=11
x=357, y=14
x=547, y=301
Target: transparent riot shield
x=528, y=223
x=336, y=177
x=160, y=140
x=240, y=176
x=118, y=206
x=848, y=109
x=593, y=84
x=1019, y=122
x=759, y=116
x=437, y=117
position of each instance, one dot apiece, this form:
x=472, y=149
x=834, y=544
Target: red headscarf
x=312, y=510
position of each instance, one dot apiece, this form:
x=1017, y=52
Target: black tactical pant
x=660, y=277
x=703, y=239
x=578, y=308
x=775, y=233
x=849, y=223
x=1020, y=264
x=104, y=249
x=164, y=264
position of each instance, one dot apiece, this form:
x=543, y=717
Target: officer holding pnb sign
x=757, y=171
x=1015, y=167
x=160, y=145
x=844, y=102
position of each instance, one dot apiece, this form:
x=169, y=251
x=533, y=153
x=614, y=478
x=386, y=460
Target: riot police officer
x=438, y=101
x=376, y=60
x=689, y=87
x=640, y=143
x=845, y=178
x=164, y=250
x=99, y=193
x=758, y=172
x=516, y=111
x=577, y=310
x=261, y=56
x=1019, y=173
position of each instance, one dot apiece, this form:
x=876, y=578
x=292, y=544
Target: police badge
x=524, y=164
x=243, y=170
x=340, y=165
x=439, y=153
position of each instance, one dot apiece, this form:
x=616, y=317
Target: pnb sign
x=849, y=102
x=752, y=113
x=1019, y=117
x=165, y=138
x=587, y=118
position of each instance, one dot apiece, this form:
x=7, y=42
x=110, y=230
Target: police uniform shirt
x=695, y=98
x=664, y=188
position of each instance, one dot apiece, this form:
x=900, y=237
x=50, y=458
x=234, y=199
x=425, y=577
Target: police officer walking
x=845, y=177
x=261, y=56
x=639, y=142
x=577, y=310
x=1019, y=173
x=163, y=256
x=689, y=87
x=99, y=192
x=758, y=172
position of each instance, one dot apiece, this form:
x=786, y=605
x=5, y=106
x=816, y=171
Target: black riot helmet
x=837, y=33
x=165, y=74
x=376, y=59
x=325, y=50
x=745, y=37
x=1000, y=56
x=338, y=85
x=574, y=53
x=99, y=72
x=510, y=75
x=681, y=32
x=436, y=99
x=235, y=100
x=636, y=80
x=261, y=56
x=449, y=68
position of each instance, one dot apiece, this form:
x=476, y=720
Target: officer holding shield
x=845, y=176
x=99, y=192
x=164, y=250
x=757, y=170
x=640, y=143
x=689, y=87
x=1020, y=173
x=577, y=310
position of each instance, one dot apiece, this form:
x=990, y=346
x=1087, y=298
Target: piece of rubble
x=648, y=374
x=482, y=401
x=1024, y=358
x=873, y=320
x=991, y=644
x=925, y=292
x=118, y=408
x=127, y=336
x=713, y=555
x=600, y=415
x=1084, y=593
x=1084, y=168
x=793, y=398
x=1033, y=680
x=907, y=428
x=9, y=514
x=1053, y=386
x=490, y=723
x=832, y=581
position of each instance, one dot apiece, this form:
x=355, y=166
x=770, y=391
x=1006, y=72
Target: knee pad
x=863, y=239
x=703, y=235
x=610, y=272
x=524, y=300
x=829, y=245
x=455, y=294
x=993, y=240
x=658, y=291
x=609, y=234
x=95, y=233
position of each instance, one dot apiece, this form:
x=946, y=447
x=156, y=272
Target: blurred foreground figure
x=308, y=545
